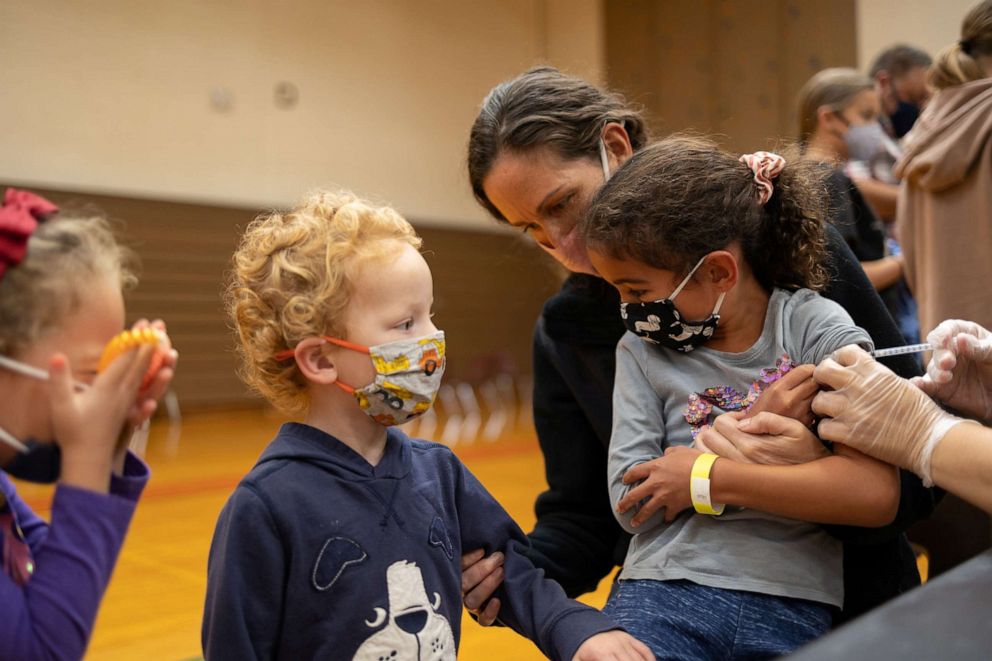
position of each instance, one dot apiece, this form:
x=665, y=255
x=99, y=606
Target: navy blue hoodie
x=318, y=554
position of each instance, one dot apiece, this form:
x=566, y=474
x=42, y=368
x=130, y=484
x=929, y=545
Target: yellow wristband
x=699, y=485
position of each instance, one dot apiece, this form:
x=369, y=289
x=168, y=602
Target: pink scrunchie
x=19, y=218
x=766, y=166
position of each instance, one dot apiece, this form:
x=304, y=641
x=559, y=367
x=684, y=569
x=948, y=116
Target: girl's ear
x=617, y=144
x=315, y=364
x=721, y=270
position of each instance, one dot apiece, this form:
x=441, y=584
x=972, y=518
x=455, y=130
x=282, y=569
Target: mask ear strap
x=33, y=372
x=346, y=344
x=719, y=302
x=685, y=281
x=12, y=441
x=604, y=159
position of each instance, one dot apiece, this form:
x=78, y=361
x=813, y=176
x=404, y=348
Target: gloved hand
x=873, y=410
x=960, y=370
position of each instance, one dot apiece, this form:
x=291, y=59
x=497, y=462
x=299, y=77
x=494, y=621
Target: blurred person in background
x=900, y=75
x=838, y=114
x=945, y=204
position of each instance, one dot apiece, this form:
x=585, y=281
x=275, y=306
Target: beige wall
x=113, y=96
x=926, y=24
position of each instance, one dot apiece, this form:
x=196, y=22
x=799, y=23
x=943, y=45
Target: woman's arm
x=881, y=196
x=885, y=272
x=962, y=464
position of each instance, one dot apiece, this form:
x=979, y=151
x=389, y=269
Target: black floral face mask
x=660, y=322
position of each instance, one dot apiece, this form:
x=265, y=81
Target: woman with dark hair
x=541, y=146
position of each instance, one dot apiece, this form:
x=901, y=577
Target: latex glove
x=960, y=369
x=873, y=410
x=766, y=438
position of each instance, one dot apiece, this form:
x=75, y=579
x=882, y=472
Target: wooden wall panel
x=488, y=288
x=730, y=68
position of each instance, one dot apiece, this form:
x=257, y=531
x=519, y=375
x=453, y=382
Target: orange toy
x=129, y=339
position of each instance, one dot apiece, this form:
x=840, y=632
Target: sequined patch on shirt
x=699, y=409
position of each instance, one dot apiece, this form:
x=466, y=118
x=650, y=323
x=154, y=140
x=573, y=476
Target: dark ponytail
x=684, y=197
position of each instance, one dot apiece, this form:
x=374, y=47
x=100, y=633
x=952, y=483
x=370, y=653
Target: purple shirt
x=52, y=615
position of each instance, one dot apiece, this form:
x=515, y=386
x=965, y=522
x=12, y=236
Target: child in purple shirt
x=60, y=304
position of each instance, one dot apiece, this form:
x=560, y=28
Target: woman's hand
x=480, y=577
x=873, y=410
x=88, y=424
x=960, y=370
x=613, y=646
x=663, y=482
x=766, y=438
x=791, y=396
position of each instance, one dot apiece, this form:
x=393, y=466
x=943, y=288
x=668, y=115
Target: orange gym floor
x=154, y=603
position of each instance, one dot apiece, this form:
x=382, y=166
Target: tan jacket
x=944, y=212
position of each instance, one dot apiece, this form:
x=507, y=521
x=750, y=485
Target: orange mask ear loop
x=289, y=353
x=346, y=345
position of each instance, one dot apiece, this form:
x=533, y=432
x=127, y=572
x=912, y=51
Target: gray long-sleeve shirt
x=743, y=549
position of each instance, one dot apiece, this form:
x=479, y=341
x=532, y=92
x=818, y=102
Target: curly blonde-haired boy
x=345, y=539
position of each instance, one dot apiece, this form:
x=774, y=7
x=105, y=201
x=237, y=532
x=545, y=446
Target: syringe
x=898, y=351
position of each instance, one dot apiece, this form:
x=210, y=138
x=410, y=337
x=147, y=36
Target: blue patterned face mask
x=659, y=322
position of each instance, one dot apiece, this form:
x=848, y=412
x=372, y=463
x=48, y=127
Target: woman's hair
x=292, y=279
x=64, y=254
x=834, y=88
x=958, y=63
x=545, y=108
x=684, y=197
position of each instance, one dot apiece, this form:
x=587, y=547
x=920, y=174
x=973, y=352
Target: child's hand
x=147, y=399
x=664, y=482
x=87, y=424
x=613, y=645
x=790, y=396
x=766, y=438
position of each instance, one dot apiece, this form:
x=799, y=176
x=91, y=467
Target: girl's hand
x=613, y=645
x=664, y=482
x=88, y=424
x=147, y=400
x=766, y=438
x=480, y=578
x=791, y=396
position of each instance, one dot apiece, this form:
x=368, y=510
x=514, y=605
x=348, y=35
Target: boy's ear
x=721, y=270
x=313, y=361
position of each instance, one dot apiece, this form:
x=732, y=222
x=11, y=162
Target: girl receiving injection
x=717, y=260
x=60, y=305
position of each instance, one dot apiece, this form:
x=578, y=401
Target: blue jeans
x=683, y=620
